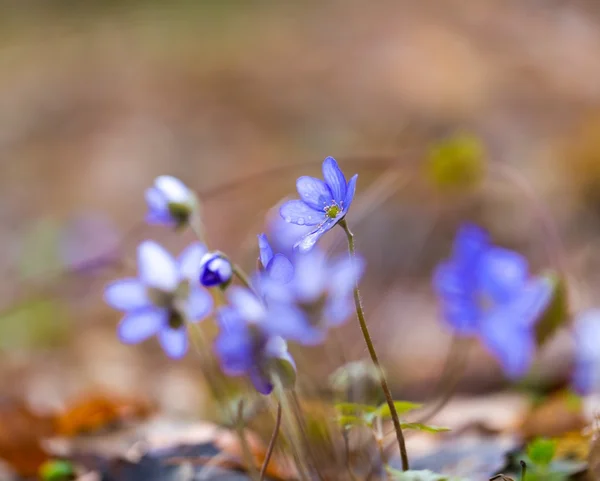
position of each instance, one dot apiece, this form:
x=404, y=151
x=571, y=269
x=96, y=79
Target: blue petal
x=260, y=381
x=174, y=342
x=156, y=200
x=300, y=213
x=264, y=248
x=249, y=307
x=309, y=240
x=314, y=192
x=280, y=268
x=291, y=324
x=335, y=179
x=156, y=266
x=338, y=310
x=462, y=315
x=470, y=243
x=514, y=348
x=159, y=218
x=139, y=325
x=311, y=276
x=345, y=274
x=126, y=295
x=450, y=283
x=190, y=261
x=351, y=190
x=502, y=273
x=527, y=306
x=199, y=303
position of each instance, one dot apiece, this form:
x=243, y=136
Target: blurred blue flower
x=277, y=266
x=283, y=235
x=322, y=203
x=215, y=270
x=170, y=202
x=316, y=298
x=486, y=291
x=586, y=375
x=162, y=298
x=244, y=348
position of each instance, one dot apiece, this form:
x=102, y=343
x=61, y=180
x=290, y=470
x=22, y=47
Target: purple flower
x=277, y=266
x=170, y=202
x=586, y=375
x=486, y=291
x=164, y=296
x=316, y=298
x=215, y=270
x=322, y=203
x=245, y=348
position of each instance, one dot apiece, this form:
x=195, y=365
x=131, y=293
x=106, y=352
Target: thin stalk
x=246, y=452
x=272, y=442
x=360, y=314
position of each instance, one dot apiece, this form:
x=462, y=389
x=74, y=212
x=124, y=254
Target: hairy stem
x=360, y=314
x=272, y=442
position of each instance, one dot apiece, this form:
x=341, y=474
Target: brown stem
x=272, y=442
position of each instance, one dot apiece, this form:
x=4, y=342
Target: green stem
x=360, y=314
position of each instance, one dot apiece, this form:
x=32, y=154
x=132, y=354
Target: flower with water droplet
x=170, y=202
x=316, y=298
x=245, y=348
x=215, y=270
x=164, y=296
x=486, y=291
x=586, y=375
x=322, y=203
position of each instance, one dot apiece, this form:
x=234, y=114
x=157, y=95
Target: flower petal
x=174, y=342
x=173, y=189
x=462, y=315
x=310, y=276
x=502, y=273
x=260, y=382
x=141, y=324
x=470, y=243
x=199, y=304
x=291, y=324
x=344, y=275
x=159, y=218
x=338, y=310
x=350, y=191
x=298, y=212
x=309, y=240
x=314, y=192
x=189, y=261
x=449, y=283
x=264, y=248
x=335, y=179
x=233, y=345
x=126, y=295
x=512, y=346
x=156, y=266
x=280, y=268
x=249, y=307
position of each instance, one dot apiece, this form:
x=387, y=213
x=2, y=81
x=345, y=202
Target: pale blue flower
x=170, y=202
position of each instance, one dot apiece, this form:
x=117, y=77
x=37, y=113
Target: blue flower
x=322, y=203
x=486, y=291
x=316, y=298
x=277, y=266
x=215, y=270
x=586, y=375
x=170, y=202
x=245, y=348
x=162, y=299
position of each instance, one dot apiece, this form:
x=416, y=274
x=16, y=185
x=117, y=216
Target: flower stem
x=360, y=314
x=272, y=442
x=247, y=453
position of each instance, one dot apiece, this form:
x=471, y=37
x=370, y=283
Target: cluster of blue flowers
x=485, y=291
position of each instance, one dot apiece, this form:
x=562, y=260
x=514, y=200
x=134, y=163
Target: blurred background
x=238, y=99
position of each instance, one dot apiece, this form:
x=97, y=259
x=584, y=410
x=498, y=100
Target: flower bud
x=357, y=382
x=215, y=270
x=170, y=202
